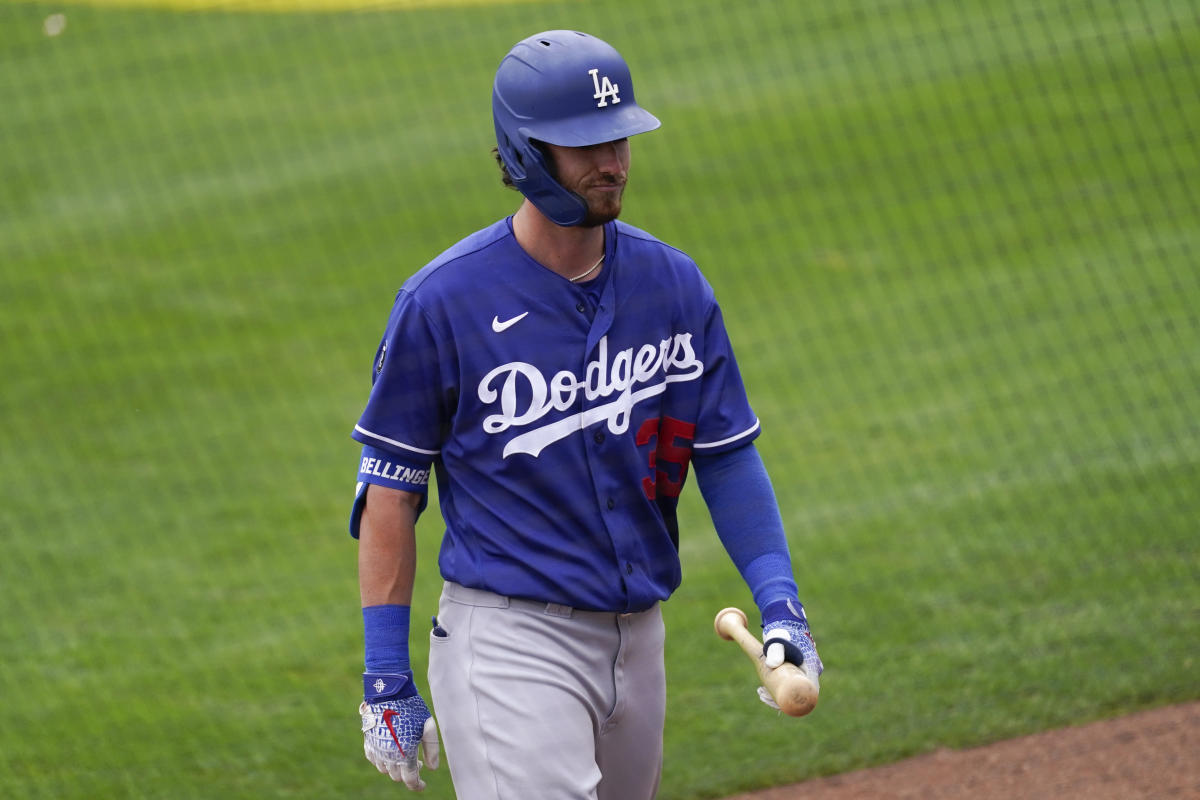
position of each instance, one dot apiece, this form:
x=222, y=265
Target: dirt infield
x=1153, y=754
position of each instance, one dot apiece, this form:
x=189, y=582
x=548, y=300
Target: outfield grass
x=956, y=249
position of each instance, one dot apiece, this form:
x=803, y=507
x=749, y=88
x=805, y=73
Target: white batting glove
x=396, y=726
x=786, y=638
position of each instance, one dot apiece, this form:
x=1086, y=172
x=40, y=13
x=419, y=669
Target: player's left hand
x=396, y=726
x=786, y=638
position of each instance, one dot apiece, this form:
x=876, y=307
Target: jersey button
x=628, y=568
x=611, y=504
x=598, y=437
x=580, y=307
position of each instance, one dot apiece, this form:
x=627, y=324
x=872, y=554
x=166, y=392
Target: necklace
x=583, y=275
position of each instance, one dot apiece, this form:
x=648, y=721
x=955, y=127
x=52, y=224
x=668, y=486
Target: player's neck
x=567, y=251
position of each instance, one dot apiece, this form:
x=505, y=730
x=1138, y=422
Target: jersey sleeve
x=726, y=420
x=393, y=470
x=408, y=409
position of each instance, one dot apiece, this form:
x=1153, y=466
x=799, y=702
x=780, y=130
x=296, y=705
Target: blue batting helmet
x=565, y=88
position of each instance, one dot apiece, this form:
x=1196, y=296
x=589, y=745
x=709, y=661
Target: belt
x=486, y=599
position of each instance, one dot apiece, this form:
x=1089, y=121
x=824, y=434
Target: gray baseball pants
x=538, y=701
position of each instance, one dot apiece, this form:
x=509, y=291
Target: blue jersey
x=558, y=418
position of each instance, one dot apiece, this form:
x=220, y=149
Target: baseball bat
x=787, y=683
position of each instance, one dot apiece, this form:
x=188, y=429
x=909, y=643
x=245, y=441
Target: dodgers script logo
x=630, y=376
x=604, y=89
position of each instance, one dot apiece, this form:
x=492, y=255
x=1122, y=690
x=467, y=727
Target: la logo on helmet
x=604, y=89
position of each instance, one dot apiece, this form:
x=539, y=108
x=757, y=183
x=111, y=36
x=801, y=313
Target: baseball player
x=557, y=372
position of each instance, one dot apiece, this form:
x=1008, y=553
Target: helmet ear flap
x=538, y=183
x=513, y=161
x=532, y=176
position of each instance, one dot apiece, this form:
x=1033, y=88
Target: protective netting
x=955, y=244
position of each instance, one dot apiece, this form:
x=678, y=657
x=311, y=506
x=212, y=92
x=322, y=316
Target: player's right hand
x=396, y=726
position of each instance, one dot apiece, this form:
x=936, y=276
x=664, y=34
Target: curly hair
x=505, y=178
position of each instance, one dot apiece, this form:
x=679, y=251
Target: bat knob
x=719, y=625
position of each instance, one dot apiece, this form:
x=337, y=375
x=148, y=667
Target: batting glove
x=786, y=638
x=396, y=723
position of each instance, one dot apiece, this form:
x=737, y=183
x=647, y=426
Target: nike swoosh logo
x=387, y=718
x=500, y=327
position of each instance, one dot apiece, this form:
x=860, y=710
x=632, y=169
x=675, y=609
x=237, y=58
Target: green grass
x=956, y=249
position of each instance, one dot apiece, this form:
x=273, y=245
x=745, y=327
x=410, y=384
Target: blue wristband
x=385, y=636
x=380, y=686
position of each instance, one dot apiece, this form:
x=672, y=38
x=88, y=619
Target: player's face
x=597, y=174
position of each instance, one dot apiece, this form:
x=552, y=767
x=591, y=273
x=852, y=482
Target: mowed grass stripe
x=954, y=245
x=297, y=6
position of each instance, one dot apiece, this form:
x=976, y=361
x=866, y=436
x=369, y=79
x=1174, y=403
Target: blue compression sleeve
x=385, y=630
x=741, y=500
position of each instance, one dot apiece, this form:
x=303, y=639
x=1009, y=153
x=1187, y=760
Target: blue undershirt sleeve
x=745, y=512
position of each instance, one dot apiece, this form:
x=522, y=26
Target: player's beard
x=602, y=206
